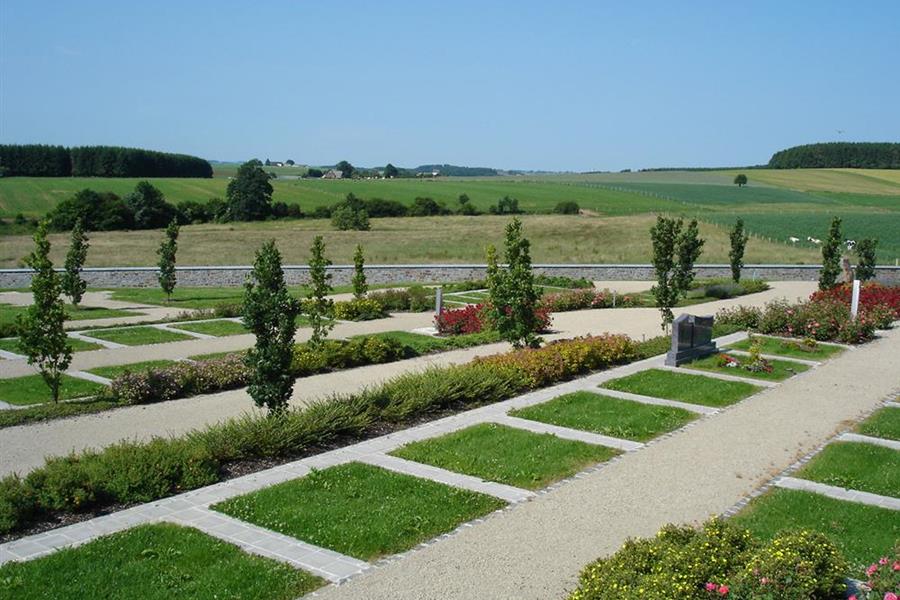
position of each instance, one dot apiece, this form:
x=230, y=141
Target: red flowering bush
x=469, y=319
x=822, y=319
x=871, y=295
x=882, y=579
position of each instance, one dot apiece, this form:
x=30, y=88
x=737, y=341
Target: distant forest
x=455, y=171
x=858, y=155
x=39, y=160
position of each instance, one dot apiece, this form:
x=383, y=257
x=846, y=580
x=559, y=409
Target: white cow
x=794, y=240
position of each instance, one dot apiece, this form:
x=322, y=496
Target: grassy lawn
x=791, y=348
x=781, y=369
x=214, y=355
x=31, y=389
x=154, y=562
x=856, y=466
x=864, y=533
x=683, y=387
x=49, y=411
x=884, y=423
x=138, y=336
x=360, y=510
x=217, y=328
x=9, y=312
x=607, y=416
x=12, y=345
x=507, y=455
x=114, y=371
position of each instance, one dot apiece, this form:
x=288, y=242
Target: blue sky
x=529, y=85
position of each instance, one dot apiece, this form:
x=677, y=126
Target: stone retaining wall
x=211, y=276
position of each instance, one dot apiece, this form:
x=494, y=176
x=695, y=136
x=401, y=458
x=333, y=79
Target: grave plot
x=360, y=510
x=12, y=345
x=507, y=455
x=113, y=371
x=31, y=389
x=884, y=424
x=136, y=336
x=683, y=387
x=739, y=366
x=216, y=327
x=789, y=348
x=155, y=562
x=856, y=466
x=605, y=415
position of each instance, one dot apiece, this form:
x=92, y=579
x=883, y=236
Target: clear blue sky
x=531, y=85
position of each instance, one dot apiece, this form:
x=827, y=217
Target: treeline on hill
x=834, y=155
x=39, y=160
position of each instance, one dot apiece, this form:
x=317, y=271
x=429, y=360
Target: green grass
x=863, y=533
x=360, y=510
x=856, y=466
x=884, y=423
x=684, y=387
x=792, y=348
x=138, y=336
x=218, y=328
x=154, y=562
x=47, y=412
x=419, y=344
x=113, y=371
x=507, y=455
x=12, y=345
x=31, y=389
x=214, y=355
x=9, y=312
x=607, y=416
x=781, y=369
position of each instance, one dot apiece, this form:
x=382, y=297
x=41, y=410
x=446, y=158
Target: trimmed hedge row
x=142, y=471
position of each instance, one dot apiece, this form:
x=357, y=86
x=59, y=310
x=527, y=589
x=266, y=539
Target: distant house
x=333, y=174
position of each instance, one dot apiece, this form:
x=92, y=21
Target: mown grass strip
x=781, y=369
x=791, y=348
x=113, y=371
x=218, y=328
x=507, y=455
x=154, y=562
x=12, y=345
x=856, y=466
x=864, y=533
x=360, y=510
x=138, y=336
x=31, y=389
x=884, y=423
x=684, y=387
x=605, y=415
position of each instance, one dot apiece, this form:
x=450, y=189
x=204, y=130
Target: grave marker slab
x=691, y=339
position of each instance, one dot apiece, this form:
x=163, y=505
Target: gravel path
x=26, y=446
x=536, y=550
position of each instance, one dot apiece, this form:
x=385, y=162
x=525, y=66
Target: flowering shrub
x=744, y=317
x=871, y=294
x=882, y=579
x=345, y=354
x=585, y=298
x=469, y=319
x=358, y=309
x=562, y=360
x=180, y=380
x=413, y=299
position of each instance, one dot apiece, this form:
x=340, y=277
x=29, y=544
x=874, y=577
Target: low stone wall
x=212, y=276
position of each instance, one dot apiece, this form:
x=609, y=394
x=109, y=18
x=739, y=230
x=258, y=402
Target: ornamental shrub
x=358, y=309
x=883, y=578
x=413, y=299
x=469, y=319
x=744, y=317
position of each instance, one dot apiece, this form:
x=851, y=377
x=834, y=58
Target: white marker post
x=854, y=301
x=438, y=300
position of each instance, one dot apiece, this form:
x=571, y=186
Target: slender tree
x=167, y=250
x=72, y=283
x=270, y=312
x=675, y=250
x=318, y=305
x=865, y=251
x=513, y=298
x=739, y=239
x=831, y=256
x=360, y=286
x=42, y=336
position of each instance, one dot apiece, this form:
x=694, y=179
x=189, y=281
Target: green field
x=775, y=205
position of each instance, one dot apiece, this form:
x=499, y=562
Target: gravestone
x=691, y=339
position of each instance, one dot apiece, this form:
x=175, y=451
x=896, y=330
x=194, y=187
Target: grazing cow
x=794, y=240
x=815, y=241
x=851, y=244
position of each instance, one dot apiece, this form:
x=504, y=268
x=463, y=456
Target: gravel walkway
x=536, y=549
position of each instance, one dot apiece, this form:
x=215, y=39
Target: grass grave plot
x=215, y=355
x=862, y=532
x=49, y=410
x=154, y=562
x=683, y=387
x=781, y=369
x=9, y=313
x=606, y=415
x=884, y=423
x=138, y=336
x=218, y=328
x=12, y=345
x=360, y=510
x=791, y=348
x=856, y=466
x=507, y=455
x=113, y=371
x=31, y=389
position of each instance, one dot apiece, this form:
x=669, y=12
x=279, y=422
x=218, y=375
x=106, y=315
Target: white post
x=854, y=302
x=438, y=300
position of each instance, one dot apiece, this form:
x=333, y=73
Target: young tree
x=360, y=286
x=270, y=312
x=513, y=299
x=249, y=194
x=72, y=283
x=739, y=239
x=865, y=251
x=740, y=180
x=831, y=256
x=675, y=249
x=167, y=250
x=318, y=306
x=42, y=336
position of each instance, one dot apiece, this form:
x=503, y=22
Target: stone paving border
x=567, y=433
x=838, y=493
x=192, y=508
x=868, y=439
x=701, y=409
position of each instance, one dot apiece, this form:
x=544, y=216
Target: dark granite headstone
x=691, y=339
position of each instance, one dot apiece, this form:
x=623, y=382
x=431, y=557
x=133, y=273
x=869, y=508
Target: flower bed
x=586, y=298
x=473, y=318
